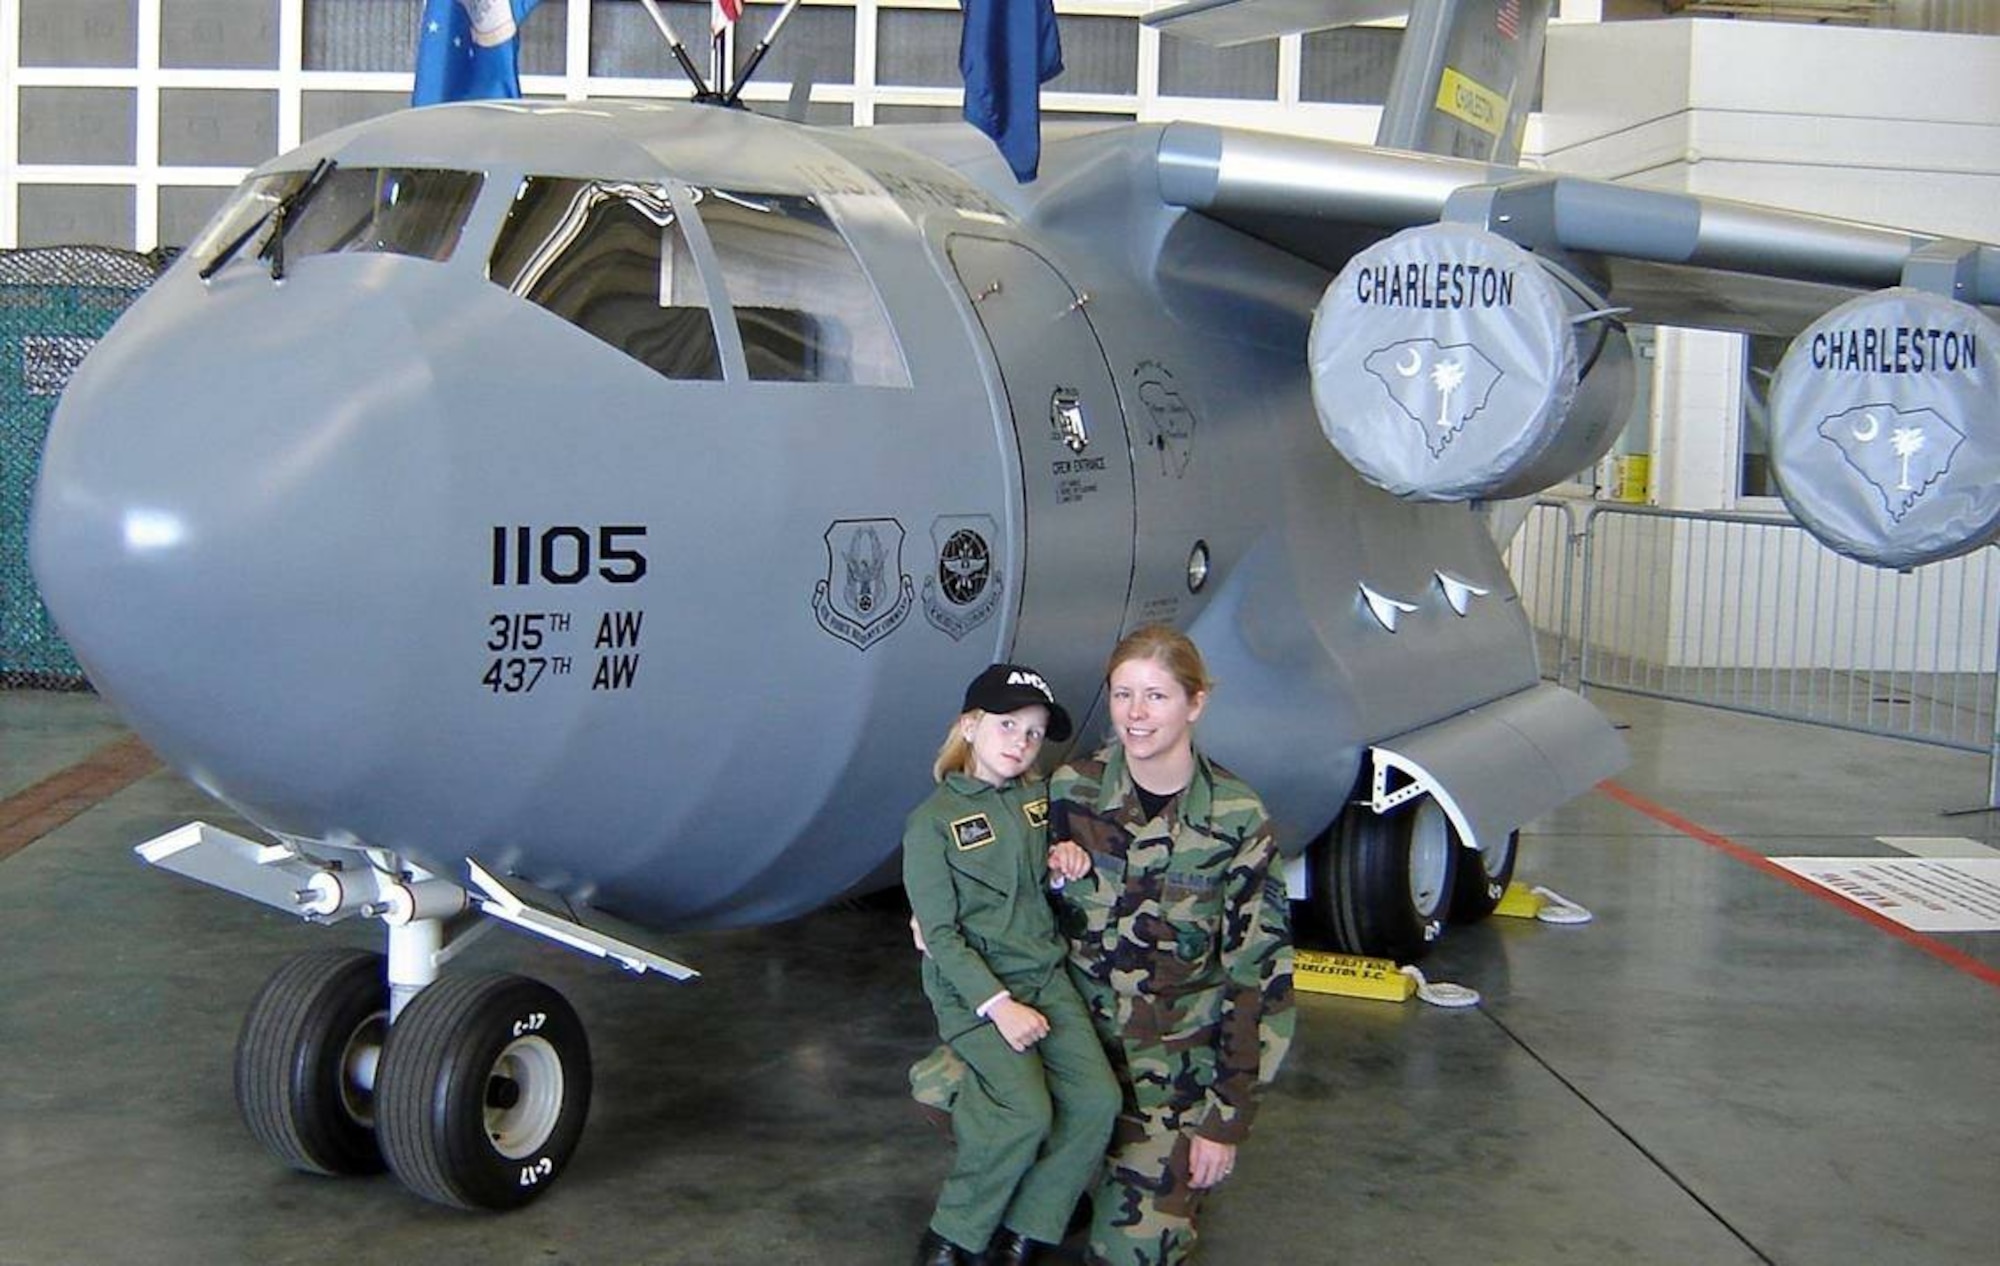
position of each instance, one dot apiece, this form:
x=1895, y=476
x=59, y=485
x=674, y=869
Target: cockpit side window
x=253, y=202
x=402, y=211
x=610, y=258
x=806, y=311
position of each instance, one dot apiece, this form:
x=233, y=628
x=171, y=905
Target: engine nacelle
x=1885, y=428
x=1449, y=364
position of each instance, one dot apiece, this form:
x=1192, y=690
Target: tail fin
x=1463, y=83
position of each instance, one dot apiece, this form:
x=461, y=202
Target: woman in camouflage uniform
x=1180, y=944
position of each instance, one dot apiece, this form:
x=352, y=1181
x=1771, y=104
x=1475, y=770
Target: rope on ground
x=1442, y=993
x=1557, y=908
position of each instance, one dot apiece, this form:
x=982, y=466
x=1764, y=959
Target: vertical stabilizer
x=1466, y=78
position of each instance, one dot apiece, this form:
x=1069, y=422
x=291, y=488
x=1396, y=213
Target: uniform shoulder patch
x=972, y=832
x=1036, y=811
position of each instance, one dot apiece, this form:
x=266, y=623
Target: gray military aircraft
x=568, y=513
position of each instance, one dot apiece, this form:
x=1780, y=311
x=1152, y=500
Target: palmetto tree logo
x=1908, y=441
x=1446, y=375
x=1901, y=453
x=1438, y=387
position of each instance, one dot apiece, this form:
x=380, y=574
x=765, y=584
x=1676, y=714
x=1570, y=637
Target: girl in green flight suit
x=1031, y=1127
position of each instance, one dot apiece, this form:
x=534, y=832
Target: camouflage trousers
x=1143, y=1209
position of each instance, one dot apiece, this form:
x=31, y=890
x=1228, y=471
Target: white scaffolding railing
x=1749, y=612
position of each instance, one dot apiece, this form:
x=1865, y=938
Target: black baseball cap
x=1011, y=687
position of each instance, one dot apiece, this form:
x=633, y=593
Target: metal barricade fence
x=1749, y=612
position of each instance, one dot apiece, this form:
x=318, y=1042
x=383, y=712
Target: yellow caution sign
x=1469, y=101
x=1520, y=902
x=1316, y=971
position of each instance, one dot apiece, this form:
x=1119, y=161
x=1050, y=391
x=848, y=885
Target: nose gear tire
x=301, y=1059
x=484, y=1088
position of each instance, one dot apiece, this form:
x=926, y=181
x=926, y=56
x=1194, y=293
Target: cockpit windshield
x=666, y=276
x=401, y=211
x=609, y=257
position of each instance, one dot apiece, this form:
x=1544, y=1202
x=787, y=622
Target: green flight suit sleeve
x=934, y=900
x=1257, y=1016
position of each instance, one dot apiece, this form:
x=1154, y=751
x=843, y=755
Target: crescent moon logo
x=1408, y=368
x=1866, y=433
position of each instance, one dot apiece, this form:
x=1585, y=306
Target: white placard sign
x=1924, y=894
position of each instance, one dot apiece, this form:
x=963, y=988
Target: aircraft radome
x=546, y=511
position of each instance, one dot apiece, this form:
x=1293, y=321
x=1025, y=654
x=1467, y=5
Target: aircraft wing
x=1673, y=258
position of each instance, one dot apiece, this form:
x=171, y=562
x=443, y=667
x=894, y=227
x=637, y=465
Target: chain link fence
x=55, y=303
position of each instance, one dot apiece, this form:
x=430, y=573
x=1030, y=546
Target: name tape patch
x=973, y=832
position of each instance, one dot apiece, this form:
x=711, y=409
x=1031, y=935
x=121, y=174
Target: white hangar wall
x=1897, y=127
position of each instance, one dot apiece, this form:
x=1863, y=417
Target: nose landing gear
x=475, y=1098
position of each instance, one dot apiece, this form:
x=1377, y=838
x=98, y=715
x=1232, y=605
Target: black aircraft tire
x=1482, y=880
x=484, y=1087
x=1382, y=883
x=298, y=1060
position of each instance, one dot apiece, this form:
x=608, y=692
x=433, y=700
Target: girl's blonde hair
x=1171, y=649
x=955, y=756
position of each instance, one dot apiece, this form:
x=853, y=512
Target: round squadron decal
x=964, y=590
x=866, y=595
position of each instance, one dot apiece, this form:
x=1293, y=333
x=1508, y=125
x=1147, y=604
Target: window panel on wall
x=1349, y=66
x=1102, y=117
x=818, y=42
x=361, y=35
x=544, y=40
x=1246, y=72
x=625, y=43
x=79, y=33
x=217, y=127
x=227, y=34
x=77, y=215
x=322, y=112
x=78, y=125
x=1099, y=55
x=917, y=48
x=184, y=209
x=918, y=114
x=1760, y=367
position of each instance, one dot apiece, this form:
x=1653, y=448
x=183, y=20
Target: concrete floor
x=1720, y=1069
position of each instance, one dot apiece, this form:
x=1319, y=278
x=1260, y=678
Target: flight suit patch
x=1037, y=812
x=973, y=832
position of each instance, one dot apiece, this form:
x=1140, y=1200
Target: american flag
x=723, y=13
x=1509, y=19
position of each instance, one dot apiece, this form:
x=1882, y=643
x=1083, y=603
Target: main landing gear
x=1387, y=884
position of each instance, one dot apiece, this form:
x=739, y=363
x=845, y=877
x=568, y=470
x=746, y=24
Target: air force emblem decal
x=866, y=594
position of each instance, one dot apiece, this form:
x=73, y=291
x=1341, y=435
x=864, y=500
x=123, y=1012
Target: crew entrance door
x=1076, y=468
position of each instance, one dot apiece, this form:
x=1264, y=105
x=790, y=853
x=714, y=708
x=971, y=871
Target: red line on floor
x=1723, y=844
x=34, y=811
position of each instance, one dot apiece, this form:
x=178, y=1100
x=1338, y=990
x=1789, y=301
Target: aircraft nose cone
x=227, y=512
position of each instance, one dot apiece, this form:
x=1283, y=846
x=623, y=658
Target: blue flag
x=1009, y=49
x=469, y=50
